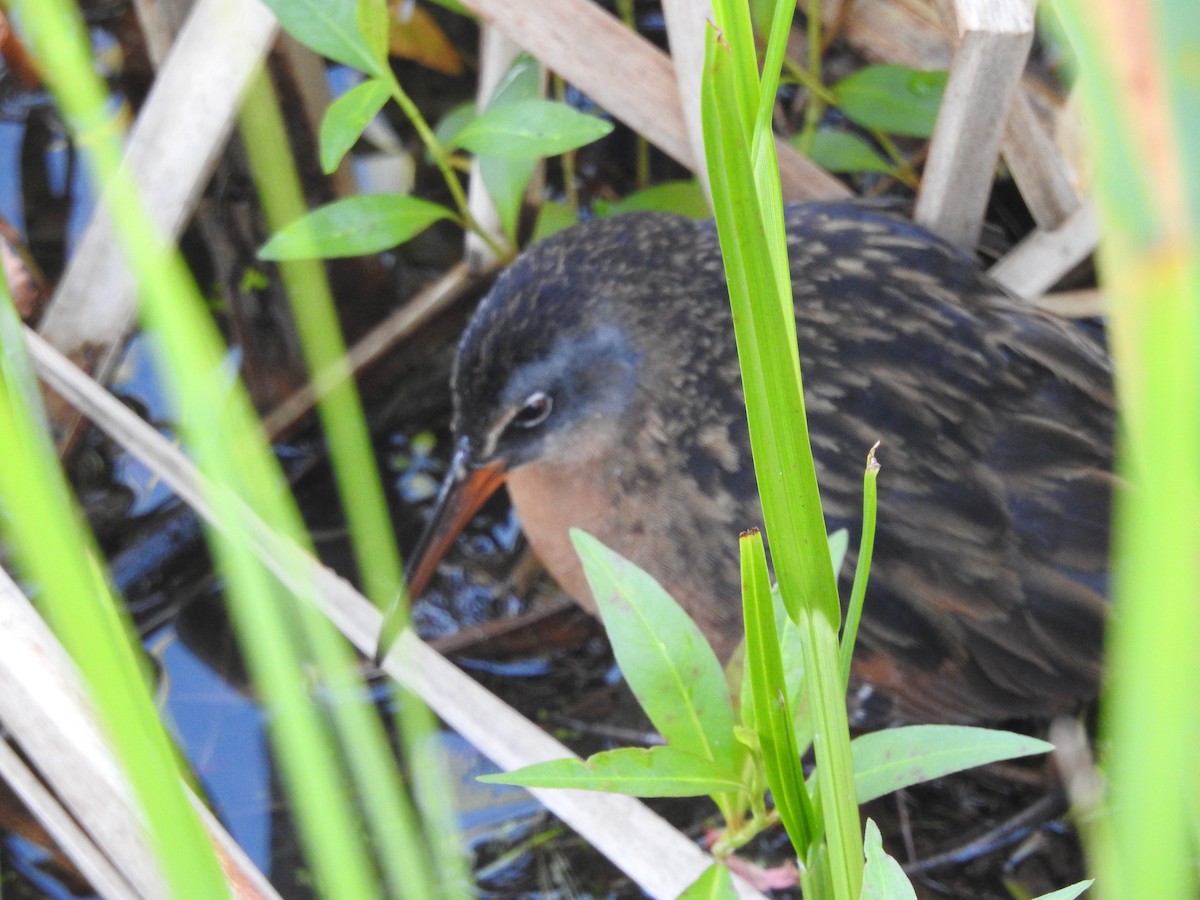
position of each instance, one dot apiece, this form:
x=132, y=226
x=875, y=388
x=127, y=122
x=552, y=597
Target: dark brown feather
x=987, y=594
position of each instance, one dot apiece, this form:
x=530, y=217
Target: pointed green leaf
x=883, y=878
x=529, y=129
x=552, y=218
x=772, y=712
x=862, y=568
x=839, y=543
x=373, y=24
x=888, y=760
x=453, y=122
x=353, y=227
x=669, y=665
x=816, y=878
x=840, y=151
x=714, y=883
x=508, y=179
x=895, y=99
x=1070, y=892
x=346, y=118
x=684, y=198
x=746, y=197
x=331, y=28
x=636, y=771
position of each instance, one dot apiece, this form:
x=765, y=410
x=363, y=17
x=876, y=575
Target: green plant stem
x=749, y=212
x=570, y=187
x=394, y=824
x=903, y=168
x=814, y=110
x=442, y=160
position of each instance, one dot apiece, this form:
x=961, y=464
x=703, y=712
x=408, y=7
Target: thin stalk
x=748, y=206
x=814, y=110
x=441, y=158
x=570, y=188
x=627, y=14
x=862, y=568
x=394, y=825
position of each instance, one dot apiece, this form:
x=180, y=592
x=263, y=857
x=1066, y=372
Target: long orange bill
x=463, y=492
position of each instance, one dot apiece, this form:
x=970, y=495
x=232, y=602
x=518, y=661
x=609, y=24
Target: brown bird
x=599, y=381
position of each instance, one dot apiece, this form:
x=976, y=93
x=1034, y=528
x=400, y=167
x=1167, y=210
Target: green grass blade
x=772, y=708
x=1070, y=892
x=1140, y=89
x=737, y=34
x=862, y=568
x=765, y=330
x=394, y=825
x=57, y=556
x=220, y=430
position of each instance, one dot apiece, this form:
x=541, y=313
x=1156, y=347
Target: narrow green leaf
x=883, y=878
x=714, y=883
x=530, y=129
x=736, y=35
x=862, y=569
x=684, y=198
x=331, y=28
x=759, y=282
x=453, y=122
x=552, y=218
x=48, y=545
x=840, y=151
x=768, y=686
x=888, y=760
x=759, y=286
x=668, y=664
x=1070, y=892
x=839, y=543
x=1143, y=118
x=791, y=654
x=373, y=24
x=507, y=180
x=816, y=877
x=777, y=41
x=346, y=118
x=353, y=227
x=413, y=835
x=895, y=99
x=635, y=771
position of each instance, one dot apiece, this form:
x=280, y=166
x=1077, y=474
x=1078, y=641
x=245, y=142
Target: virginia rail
x=599, y=381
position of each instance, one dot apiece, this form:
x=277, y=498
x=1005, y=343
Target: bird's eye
x=534, y=410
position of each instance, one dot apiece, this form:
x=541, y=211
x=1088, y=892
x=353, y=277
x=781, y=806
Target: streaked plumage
x=599, y=378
